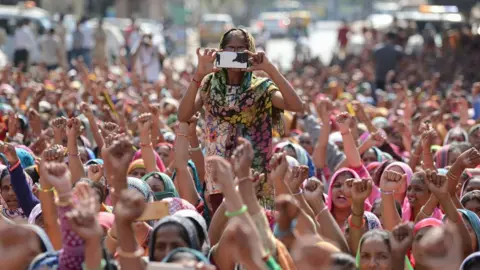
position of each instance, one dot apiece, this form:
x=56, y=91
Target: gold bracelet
x=131, y=255
x=109, y=234
x=63, y=204
x=423, y=212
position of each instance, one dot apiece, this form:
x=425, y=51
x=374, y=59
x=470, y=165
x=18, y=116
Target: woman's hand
x=35, y=121
x=110, y=128
x=377, y=138
x=259, y=61
x=129, y=207
x=299, y=175
x=83, y=218
x=347, y=188
x=287, y=210
x=95, y=172
x=86, y=110
x=145, y=124
x=9, y=151
x=222, y=174
x=59, y=124
x=12, y=123
x=470, y=158
x=119, y=152
x=324, y=107
x=192, y=124
x=401, y=238
x=438, y=184
x=242, y=158
x=58, y=176
x=392, y=181
x=279, y=166
x=428, y=136
x=73, y=128
x=343, y=121
x=314, y=193
x=362, y=188
x=205, y=63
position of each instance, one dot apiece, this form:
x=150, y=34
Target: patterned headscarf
x=137, y=164
x=177, y=204
x=474, y=222
x=303, y=158
x=158, y=160
x=142, y=187
x=201, y=226
x=372, y=221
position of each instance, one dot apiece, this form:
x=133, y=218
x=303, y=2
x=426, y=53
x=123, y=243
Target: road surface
x=322, y=42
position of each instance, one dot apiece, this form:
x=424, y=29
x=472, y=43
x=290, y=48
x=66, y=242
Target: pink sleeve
x=72, y=253
x=363, y=173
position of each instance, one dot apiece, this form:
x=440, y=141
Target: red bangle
x=351, y=225
x=145, y=144
x=198, y=83
x=14, y=166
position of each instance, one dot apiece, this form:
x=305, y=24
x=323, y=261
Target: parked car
x=212, y=27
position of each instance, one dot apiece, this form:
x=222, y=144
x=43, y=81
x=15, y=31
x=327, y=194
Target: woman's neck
x=234, y=77
x=341, y=215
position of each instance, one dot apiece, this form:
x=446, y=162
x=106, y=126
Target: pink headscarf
x=367, y=205
x=177, y=204
x=158, y=160
x=106, y=219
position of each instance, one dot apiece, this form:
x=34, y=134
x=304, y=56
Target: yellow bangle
x=63, y=204
x=130, y=255
x=109, y=234
x=45, y=190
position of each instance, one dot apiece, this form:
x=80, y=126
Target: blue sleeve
x=476, y=108
x=25, y=197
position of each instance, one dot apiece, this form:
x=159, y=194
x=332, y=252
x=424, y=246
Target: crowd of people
x=368, y=164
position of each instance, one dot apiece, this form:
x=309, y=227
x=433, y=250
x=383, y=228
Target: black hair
x=378, y=173
x=391, y=35
x=398, y=206
x=470, y=196
x=384, y=235
x=227, y=37
x=51, y=31
x=182, y=231
x=3, y=174
x=98, y=187
x=343, y=261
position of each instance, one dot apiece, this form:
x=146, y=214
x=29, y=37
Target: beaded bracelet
x=237, y=213
x=386, y=192
x=131, y=255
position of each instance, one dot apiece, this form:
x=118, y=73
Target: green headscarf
x=169, y=188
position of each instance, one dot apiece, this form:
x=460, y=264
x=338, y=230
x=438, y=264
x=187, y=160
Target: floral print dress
x=238, y=111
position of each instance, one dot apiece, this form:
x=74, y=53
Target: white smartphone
x=232, y=60
x=167, y=266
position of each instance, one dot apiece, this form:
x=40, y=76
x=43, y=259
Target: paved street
x=322, y=42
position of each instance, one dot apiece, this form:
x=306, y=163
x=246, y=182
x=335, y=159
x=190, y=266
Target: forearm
x=292, y=100
x=357, y=227
x=329, y=227
x=50, y=218
x=320, y=152
x=391, y=218
x=217, y=225
x=351, y=152
x=148, y=154
x=93, y=253
x=75, y=164
x=453, y=175
x=198, y=158
x=127, y=243
x=427, y=209
x=428, y=158
x=95, y=132
x=415, y=157
x=186, y=109
x=155, y=130
x=186, y=185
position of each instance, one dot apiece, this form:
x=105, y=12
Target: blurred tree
x=215, y=6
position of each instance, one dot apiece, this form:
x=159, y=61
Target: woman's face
x=474, y=206
x=339, y=199
x=417, y=192
x=369, y=157
x=473, y=184
x=155, y=183
x=400, y=196
x=474, y=138
x=168, y=238
x=138, y=173
x=375, y=254
x=306, y=142
x=8, y=194
x=165, y=154
x=456, y=136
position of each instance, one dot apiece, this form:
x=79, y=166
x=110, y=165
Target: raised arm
x=74, y=162
x=22, y=190
x=320, y=153
x=191, y=101
x=196, y=148
x=351, y=152
x=390, y=183
x=92, y=120
x=148, y=154
x=361, y=189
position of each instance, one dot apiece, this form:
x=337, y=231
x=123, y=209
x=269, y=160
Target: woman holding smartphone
x=237, y=103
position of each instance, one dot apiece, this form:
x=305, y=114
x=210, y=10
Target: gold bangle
x=46, y=190
x=423, y=212
x=130, y=255
x=63, y=204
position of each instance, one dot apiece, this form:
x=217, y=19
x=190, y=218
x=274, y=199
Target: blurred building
x=154, y=9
